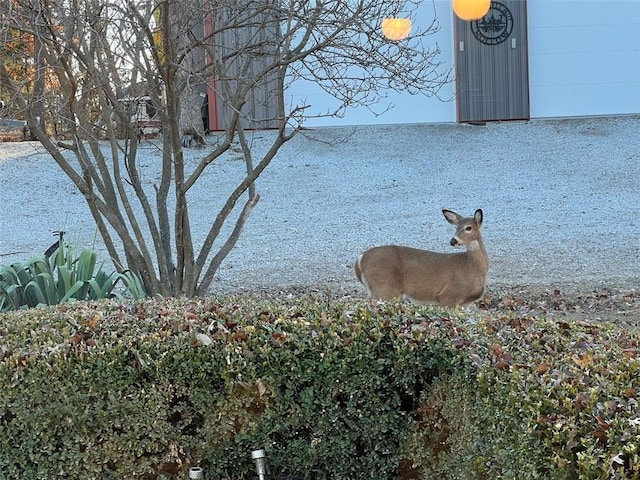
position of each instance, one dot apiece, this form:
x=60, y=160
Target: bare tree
x=172, y=51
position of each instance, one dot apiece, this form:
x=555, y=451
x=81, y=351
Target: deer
x=393, y=272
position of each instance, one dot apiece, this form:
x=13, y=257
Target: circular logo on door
x=495, y=27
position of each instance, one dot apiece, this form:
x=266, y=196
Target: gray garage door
x=492, y=77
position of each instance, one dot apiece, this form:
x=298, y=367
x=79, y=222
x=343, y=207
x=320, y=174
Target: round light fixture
x=396, y=28
x=471, y=9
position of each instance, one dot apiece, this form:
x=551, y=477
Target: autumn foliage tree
x=244, y=53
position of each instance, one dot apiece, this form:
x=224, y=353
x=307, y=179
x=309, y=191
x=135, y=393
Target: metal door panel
x=492, y=78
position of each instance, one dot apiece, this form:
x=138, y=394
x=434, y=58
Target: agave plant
x=62, y=278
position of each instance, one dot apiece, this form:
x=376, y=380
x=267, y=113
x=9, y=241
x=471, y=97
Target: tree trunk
x=191, y=125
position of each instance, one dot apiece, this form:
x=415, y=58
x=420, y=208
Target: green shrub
x=574, y=388
x=331, y=390
x=550, y=400
x=135, y=390
x=61, y=278
x=338, y=392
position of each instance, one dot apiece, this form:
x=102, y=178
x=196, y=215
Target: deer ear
x=452, y=217
x=478, y=217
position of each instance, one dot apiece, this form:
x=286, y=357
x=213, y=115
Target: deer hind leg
x=383, y=287
x=384, y=292
x=378, y=289
x=457, y=301
x=380, y=284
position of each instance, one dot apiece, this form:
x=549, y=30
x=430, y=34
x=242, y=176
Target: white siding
x=584, y=59
x=406, y=108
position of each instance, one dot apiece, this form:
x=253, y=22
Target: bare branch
x=94, y=65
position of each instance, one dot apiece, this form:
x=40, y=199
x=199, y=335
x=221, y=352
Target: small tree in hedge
x=98, y=53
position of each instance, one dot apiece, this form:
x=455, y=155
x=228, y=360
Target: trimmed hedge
x=331, y=390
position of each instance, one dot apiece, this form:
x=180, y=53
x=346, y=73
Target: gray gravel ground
x=560, y=197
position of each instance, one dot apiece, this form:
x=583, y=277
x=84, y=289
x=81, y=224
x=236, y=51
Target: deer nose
x=454, y=242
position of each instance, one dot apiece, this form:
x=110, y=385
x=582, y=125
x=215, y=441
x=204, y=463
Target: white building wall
x=406, y=108
x=584, y=59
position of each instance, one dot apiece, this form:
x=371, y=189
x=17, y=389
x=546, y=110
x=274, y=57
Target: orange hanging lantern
x=396, y=28
x=471, y=9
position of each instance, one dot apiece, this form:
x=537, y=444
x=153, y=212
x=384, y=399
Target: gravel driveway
x=561, y=201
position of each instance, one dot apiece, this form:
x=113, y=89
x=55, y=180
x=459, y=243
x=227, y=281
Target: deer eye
x=468, y=228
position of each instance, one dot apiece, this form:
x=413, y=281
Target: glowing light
x=471, y=9
x=396, y=28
